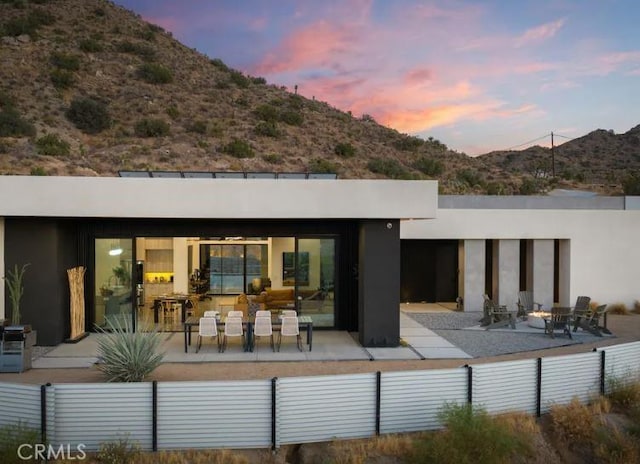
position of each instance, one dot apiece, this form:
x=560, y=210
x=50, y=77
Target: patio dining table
x=304, y=322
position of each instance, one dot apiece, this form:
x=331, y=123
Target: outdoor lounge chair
x=591, y=323
x=560, y=319
x=496, y=316
x=526, y=304
x=581, y=311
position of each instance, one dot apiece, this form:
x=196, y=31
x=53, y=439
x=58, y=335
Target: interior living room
x=176, y=277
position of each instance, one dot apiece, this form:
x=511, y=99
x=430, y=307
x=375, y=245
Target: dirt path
x=625, y=328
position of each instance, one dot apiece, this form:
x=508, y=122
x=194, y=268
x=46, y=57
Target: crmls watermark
x=40, y=451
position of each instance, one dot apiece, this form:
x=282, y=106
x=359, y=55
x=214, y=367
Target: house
x=364, y=245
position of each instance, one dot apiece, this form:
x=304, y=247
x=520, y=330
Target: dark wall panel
x=379, y=283
x=50, y=248
x=429, y=270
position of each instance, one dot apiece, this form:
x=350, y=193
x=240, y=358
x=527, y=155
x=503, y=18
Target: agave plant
x=128, y=356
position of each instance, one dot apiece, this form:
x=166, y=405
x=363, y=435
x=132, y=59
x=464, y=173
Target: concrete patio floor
x=328, y=345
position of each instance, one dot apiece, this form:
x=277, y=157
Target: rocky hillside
x=88, y=88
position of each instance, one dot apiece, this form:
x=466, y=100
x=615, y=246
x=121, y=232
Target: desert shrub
x=173, y=112
x=218, y=63
x=28, y=24
x=120, y=451
x=143, y=51
x=149, y=127
x=90, y=45
x=323, y=166
x=61, y=78
x=618, y=308
x=631, y=184
x=529, y=186
x=239, y=79
x=388, y=167
x=273, y=158
x=89, y=115
x=429, y=166
x=573, y=423
x=239, y=149
x=291, y=117
x=496, y=188
x=614, y=446
x=125, y=355
x=295, y=102
x=52, y=145
x=38, y=171
x=267, y=129
x=624, y=393
x=408, y=143
x=636, y=307
x=198, y=127
x=470, y=177
x=11, y=437
x=14, y=125
x=154, y=73
x=258, y=80
x=471, y=435
x=65, y=61
x=345, y=150
x=266, y=112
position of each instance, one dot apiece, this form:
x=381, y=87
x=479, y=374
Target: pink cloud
x=540, y=33
x=418, y=76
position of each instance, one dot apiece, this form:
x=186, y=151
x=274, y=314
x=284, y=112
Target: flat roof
x=139, y=197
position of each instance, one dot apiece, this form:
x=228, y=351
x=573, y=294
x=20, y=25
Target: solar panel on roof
x=134, y=173
x=322, y=175
x=229, y=175
x=171, y=174
x=292, y=175
x=261, y=175
x=198, y=174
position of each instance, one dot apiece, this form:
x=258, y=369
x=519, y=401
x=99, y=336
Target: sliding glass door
x=113, y=288
x=315, y=277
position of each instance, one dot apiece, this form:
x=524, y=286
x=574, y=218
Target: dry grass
x=618, y=308
x=573, y=423
x=636, y=307
x=358, y=451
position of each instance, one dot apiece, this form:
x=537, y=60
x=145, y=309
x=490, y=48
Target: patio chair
x=263, y=313
x=288, y=313
x=239, y=314
x=560, y=319
x=262, y=328
x=591, y=323
x=232, y=328
x=581, y=311
x=526, y=304
x=213, y=314
x=207, y=328
x=496, y=316
x=290, y=328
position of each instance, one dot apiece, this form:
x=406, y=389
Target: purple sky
x=478, y=75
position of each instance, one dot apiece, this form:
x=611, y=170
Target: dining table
x=304, y=322
x=160, y=301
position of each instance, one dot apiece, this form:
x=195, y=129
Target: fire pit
x=536, y=319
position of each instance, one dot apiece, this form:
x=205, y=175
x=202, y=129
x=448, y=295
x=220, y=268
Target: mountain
x=88, y=88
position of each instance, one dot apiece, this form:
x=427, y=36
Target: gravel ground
x=484, y=343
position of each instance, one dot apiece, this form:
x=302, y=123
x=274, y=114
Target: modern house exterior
x=368, y=245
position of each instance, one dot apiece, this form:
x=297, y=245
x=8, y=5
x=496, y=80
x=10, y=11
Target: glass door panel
x=315, y=274
x=113, y=287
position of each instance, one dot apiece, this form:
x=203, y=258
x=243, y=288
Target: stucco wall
x=604, y=244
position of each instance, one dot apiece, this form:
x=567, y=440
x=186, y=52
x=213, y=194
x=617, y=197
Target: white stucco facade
x=600, y=248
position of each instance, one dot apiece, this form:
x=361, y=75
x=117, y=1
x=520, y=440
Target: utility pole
x=553, y=159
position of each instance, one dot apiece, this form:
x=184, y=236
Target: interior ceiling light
x=115, y=250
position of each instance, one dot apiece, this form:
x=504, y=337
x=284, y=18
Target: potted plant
x=15, y=288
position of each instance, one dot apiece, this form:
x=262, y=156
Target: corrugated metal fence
x=271, y=413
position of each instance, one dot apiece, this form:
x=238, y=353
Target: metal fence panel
x=506, y=386
x=566, y=377
x=20, y=404
x=622, y=363
x=322, y=408
x=234, y=414
x=92, y=414
x=410, y=401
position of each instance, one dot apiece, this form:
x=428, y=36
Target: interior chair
x=232, y=328
x=263, y=313
x=239, y=314
x=262, y=328
x=288, y=313
x=211, y=313
x=191, y=307
x=169, y=313
x=560, y=319
x=496, y=316
x=208, y=328
x=526, y=304
x=290, y=328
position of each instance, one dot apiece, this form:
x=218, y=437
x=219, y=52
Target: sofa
x=274, y=299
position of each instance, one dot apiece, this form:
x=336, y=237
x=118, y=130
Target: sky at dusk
x=478, y=75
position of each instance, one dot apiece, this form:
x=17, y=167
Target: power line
x=527, y=143
x=563, y=136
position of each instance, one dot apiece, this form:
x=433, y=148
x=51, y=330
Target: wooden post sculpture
x=76, y=287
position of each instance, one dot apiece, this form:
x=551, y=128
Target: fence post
x=43, y=412
x=274, y=382
x=602, y=372
x=378, y=400
x=469, y=383
x=538, y=387
x=154, y=415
